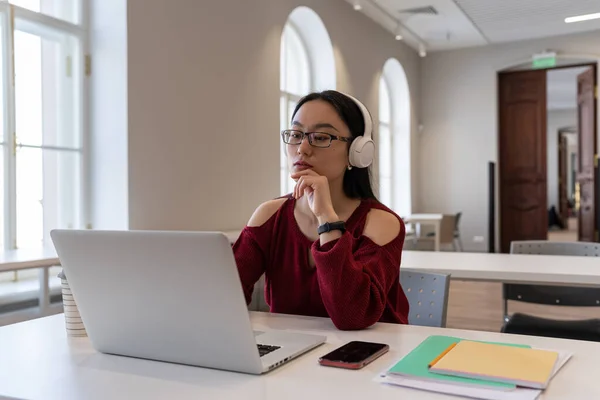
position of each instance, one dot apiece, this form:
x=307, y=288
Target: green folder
x=415, y=364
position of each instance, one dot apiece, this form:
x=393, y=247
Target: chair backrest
x=427, y=297
x=447, y=226
x=554, y=295
x=457, y=221
x=258, y=302
x=545, y=247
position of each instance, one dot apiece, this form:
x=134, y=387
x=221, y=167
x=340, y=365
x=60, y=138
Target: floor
x=567, y=235
x=479, y=305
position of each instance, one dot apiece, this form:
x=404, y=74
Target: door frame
x=567, y=130
x=594, y=167
x=521, y=65
x=565, y=154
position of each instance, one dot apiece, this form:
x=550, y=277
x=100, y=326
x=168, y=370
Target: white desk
x=508, y=268
x=43, y=258
x=39, y=362
x=14, y=260
x=434, y=220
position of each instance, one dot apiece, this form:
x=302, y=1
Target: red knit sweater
x=355, y=282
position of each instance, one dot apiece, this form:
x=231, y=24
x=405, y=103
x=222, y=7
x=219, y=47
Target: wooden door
x=522, y=157
x=563, y=195
x=586, y=112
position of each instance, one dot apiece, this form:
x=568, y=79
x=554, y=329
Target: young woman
x=329, y=248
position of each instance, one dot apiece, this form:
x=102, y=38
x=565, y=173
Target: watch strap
x=332, y=226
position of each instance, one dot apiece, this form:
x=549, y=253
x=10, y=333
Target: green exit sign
x=546, y=60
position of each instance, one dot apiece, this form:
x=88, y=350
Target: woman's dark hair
x=357, y=181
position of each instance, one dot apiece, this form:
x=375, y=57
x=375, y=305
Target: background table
x=434, y=220
x=508, y=268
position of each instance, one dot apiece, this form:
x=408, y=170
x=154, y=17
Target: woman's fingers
x=294, y=191
x=296, y=187
x=304, y=182
x=300, y=187
x=307, y=190
x=301, y=177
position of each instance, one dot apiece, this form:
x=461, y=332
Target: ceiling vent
x=429, y=10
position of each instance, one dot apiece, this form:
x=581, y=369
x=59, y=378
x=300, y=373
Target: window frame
x=390, y=129
x=16, y=18
x=401, y=136
x=287, y=97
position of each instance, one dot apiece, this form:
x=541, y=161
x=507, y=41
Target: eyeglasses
x=316, y=139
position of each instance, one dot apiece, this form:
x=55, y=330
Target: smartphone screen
x=354, y=354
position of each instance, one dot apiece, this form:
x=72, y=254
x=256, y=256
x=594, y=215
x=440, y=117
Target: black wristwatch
x=332, y=226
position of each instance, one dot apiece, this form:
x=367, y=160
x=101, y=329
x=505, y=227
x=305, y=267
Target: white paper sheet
x=472, y=392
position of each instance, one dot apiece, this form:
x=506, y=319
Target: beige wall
x=203, y=102
x=459, y=113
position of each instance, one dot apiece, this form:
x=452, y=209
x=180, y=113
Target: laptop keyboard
x=265, y=349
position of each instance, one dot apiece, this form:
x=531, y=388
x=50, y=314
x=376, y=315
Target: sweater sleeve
x=354, y=283
x=251, y=252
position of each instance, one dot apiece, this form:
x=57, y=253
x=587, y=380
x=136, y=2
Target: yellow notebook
x=520, y=366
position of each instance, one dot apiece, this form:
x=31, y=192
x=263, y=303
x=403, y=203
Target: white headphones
x=362, y=149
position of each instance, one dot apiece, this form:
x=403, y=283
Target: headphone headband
x=366, y=116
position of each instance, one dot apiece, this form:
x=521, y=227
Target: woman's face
x=332, y=161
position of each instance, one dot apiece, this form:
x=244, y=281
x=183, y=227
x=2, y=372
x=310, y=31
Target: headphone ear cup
x=362, y=151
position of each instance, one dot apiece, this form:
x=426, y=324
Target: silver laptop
x=169, y=296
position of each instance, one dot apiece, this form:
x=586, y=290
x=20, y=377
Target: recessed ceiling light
x=422, y=51
x=398, y=31
x=580, y=18
x=357, y=6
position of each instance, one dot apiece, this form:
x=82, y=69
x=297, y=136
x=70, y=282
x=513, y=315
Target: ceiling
x=452, y=24
x=562, y=88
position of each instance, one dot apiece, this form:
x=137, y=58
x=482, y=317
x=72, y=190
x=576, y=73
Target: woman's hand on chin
x=316, y=189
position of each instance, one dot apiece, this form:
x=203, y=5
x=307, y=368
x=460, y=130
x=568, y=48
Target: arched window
x=394, y=139
x=304, y=39
x=385, y=143
x=295, y=82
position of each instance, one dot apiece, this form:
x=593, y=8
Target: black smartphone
x=354, y=355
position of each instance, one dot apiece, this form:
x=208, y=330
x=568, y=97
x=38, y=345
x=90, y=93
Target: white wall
x=203, y=102
x=109, y=114
x=459, y=113
x=556, y=119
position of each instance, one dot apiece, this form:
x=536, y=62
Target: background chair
x=258, y=302
x=457, y=239
x=447, y=232
x=427, y=297
x=553, y=295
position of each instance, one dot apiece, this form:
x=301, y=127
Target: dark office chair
x=258, y=302
x=553, y=295
x=457, y=231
